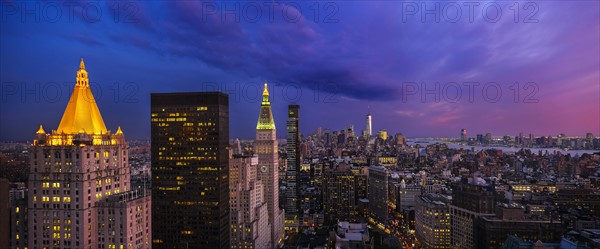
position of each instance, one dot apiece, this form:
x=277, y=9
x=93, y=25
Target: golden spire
x=82, y=113
x=119, y=131
x=40, y=130
x=266, y=89
x=265, y=118
x=82, y=75
x=266, y=95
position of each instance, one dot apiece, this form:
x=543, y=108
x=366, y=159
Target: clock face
x=263, y=168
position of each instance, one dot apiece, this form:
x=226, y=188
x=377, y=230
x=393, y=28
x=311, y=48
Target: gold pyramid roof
x=40, y=130
x=82, y=113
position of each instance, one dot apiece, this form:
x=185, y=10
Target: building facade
x=124, y=220
x=378, y=194
x=190, y=170
x=18, y=219
x=432, y=221
x=249, y=215
x=511, y=219
x=470, y=203
x=339, y=196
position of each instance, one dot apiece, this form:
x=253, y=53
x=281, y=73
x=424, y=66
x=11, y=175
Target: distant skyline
x=349, y=60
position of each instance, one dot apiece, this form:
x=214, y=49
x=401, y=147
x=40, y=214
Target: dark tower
x=190, y=170
x=293, y=166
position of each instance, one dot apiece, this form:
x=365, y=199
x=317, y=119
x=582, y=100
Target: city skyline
x=359, y=69
x=280, y=124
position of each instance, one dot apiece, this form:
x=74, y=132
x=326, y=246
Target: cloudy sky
x=420, y=68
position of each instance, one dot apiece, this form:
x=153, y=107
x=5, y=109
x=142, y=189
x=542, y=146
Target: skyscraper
x=463, y=135
x=432, y=221
x=78, y=172
x=190, y=170
x=293, y=168
x=400, y=139
x=369, y=127
x=470, y=202
x=265, y=146
x=382, y=134
x=378, y=193
x=339, y=196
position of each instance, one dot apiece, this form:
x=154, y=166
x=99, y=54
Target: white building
x=249, y=217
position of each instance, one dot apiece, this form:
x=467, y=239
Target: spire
x=82, y=113
x=40, y=130
x=266, y=95
x=82, y=75
x=265, y=118
x=119, y=131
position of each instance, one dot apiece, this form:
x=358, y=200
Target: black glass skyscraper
x=190, y=170
x=293, y=166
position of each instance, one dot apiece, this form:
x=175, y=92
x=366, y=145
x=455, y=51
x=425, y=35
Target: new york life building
x=79, y=183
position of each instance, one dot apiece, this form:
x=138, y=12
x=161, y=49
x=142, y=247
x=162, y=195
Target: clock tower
x=265, y=146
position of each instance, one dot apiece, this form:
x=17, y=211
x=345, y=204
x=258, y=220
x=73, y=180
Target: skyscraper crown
x=82, y=113
x=265, y=118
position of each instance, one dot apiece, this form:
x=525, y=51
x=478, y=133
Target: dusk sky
x=536, y=71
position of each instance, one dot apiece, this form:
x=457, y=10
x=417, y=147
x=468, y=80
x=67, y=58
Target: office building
x=249, y=217
x=378, y=194
x=511, y=219
x=339, y=200
x=368, y=127
x=470, y=202
x=382, y=134
x=190, y=170
x=293, y=168
x=432, y=221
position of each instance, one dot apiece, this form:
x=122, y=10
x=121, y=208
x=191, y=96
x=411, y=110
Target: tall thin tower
x=293, y=166
x=369, y=127
x=265, y=146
